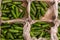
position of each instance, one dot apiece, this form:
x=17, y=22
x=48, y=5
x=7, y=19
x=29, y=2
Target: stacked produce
x=59, y=18
x=38, y=9
x=12, y=10
x=59, y=32
x=59, y=10
x=40, y=29
x=12, y=31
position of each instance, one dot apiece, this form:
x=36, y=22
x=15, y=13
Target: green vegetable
x=38, y=14
x=13, y=13
x=32, y=16
x=10, y=36
x=44, y=5
x=32, y=10
x=4, y=18
x=6, y=1
x=33, y=7
x=2, y=39
x=39, y=29
x=5, y=11
x=21, y=7
x=17, y=27
x=22, y=14
x=13, y=31
x=17, y=12
x=42, y=11
x=38, y=9
x=17, y=3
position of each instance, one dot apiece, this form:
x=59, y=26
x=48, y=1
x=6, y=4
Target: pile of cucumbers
x=58, y=33
x=40, y=29
x=59, y=10
x=12, y=9
x=38, y=9
x=13, y=31
x=59, y=18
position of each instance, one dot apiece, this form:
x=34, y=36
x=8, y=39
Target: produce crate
x=29, y=20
